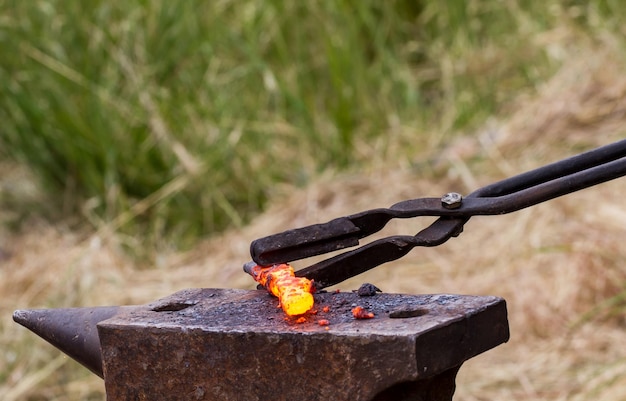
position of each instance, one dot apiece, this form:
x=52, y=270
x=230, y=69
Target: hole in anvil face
x=407, y=311
x=174, y=306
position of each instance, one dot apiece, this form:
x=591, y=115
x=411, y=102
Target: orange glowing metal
x=359, y=313
x=294, y=293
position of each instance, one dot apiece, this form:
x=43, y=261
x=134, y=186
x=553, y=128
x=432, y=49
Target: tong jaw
x=304, y=242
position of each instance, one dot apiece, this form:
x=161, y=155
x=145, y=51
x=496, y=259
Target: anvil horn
x=72, y=330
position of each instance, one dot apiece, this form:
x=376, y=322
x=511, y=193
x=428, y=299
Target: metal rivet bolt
x=452, y=200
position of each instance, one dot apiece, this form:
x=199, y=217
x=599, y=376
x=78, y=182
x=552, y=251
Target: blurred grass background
x=160, y=123
x=173, y=120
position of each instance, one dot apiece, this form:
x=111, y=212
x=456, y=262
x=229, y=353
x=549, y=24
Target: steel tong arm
x=506, y=196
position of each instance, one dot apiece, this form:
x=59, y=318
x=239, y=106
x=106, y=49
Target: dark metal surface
x=72, y=330
x=213, y=344
x=510, y=195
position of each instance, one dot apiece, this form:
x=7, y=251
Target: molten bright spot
x=294, y=293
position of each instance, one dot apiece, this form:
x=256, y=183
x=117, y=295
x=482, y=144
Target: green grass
x=172, y=120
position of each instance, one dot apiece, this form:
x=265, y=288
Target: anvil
x=225, y=344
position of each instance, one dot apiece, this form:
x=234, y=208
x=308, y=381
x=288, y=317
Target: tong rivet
x=452, y=200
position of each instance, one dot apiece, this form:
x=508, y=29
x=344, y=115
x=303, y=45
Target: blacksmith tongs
x=569, y=175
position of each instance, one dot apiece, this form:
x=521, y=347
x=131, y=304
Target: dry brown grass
x=561, y=266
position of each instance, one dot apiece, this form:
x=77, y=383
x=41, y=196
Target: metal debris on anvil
x=367, y=290
x=225, y=343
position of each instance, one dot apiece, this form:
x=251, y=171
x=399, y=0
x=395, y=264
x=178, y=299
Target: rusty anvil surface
x=224, y=344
